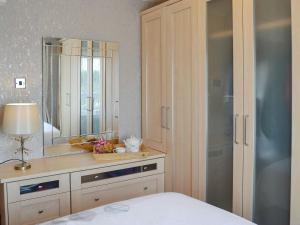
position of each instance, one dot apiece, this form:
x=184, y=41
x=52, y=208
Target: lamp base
x=23, y=166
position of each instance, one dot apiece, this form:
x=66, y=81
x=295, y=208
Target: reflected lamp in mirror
x=80, y=92
x=21, y=121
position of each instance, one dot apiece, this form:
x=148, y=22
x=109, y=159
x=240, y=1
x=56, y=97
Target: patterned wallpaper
x=23, y=23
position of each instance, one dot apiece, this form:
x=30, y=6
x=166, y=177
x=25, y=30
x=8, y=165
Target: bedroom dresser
x=58, y=186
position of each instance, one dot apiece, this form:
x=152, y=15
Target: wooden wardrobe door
x=182, y=107
x=153, y=82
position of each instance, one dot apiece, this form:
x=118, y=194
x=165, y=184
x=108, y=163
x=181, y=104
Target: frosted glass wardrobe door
x=224, y=153
x=220, y=111
x=273, y=112
x=268, y=111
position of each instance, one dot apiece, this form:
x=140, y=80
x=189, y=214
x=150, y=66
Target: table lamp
x=21, y=120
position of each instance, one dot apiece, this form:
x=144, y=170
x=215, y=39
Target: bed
x=50, y=133
x=158, y=209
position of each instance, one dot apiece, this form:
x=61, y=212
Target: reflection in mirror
x=80, y=93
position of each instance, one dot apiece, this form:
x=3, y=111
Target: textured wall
x=23, y=23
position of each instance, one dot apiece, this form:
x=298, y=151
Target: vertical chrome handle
x=162, y=115
x=246, y=117
x=90, y=104
x=68, y=99
x=167, y=117
x=236, y=116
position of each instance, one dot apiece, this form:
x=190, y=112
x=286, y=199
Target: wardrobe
x=219, y=96
x=170, y=92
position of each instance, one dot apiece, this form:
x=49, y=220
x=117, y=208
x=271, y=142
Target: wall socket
x=20, y=83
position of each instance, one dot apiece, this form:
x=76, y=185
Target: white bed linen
x=158, y=209
x=50, y=132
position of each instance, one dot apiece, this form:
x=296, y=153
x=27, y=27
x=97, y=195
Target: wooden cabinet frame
x=295, y=176
x=178, y=68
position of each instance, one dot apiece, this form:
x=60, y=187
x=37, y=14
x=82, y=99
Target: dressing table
x=58, y=186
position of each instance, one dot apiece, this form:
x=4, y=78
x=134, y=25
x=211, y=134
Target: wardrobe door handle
x=68, y=99
x=162, y=114
x=167, y=117
x=246, y=117
x=235, y=128
x=90, y=104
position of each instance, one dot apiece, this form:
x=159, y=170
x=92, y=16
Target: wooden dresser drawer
x=36, y=188
x=96, y=196
x=39, y=210
x=113, y=174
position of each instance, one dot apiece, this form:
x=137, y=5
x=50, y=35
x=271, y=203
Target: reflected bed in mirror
x=80, y=93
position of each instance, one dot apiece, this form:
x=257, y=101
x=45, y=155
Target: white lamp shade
x=21, y=119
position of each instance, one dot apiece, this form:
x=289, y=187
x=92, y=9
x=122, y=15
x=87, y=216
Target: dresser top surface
x=64, y=164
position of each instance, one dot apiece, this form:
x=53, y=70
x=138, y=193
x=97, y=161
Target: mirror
x=80, y=93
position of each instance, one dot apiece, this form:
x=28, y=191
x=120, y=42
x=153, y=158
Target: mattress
x=158, y=209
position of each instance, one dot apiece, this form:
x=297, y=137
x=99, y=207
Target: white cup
x=120, y=150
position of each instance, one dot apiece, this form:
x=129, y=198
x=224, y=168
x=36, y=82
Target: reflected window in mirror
x=80, y=93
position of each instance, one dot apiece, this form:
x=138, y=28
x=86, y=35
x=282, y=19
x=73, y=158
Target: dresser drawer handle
x=96, y=199
x=145, y=188
x=41, y=212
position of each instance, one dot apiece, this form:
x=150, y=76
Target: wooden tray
x=79, y=143
x=121, y=156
